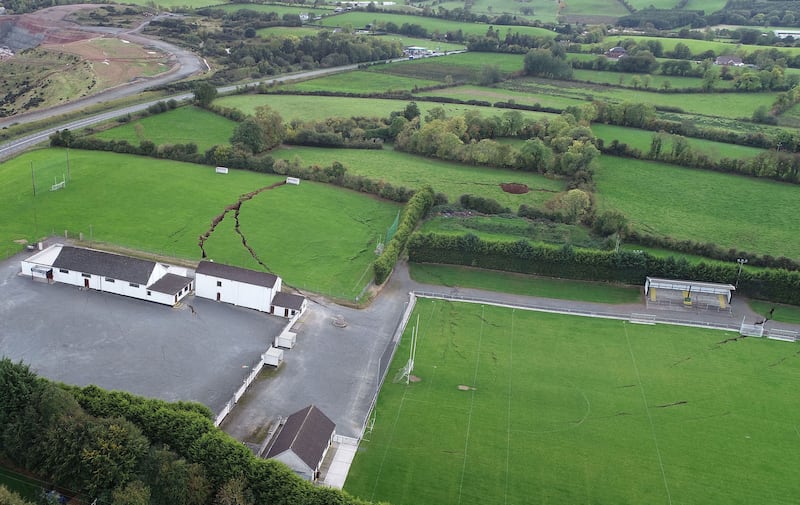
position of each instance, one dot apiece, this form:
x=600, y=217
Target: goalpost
x=405, y=372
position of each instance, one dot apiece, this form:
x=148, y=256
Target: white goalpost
x=58, y=185
x=405, y=372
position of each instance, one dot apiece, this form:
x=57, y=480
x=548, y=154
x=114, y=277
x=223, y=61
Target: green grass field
x=512, y=228
x=727, y=105
x=360, y=82
x=565, y=410
x=361, y=19
x=452, y=179
x=462, y=67
x=163, y=206
x=179, y=126
x=782, y=313
x=308, y=108
x=656, y=81
x=752, y=215
x=24, y=486
x=641, y=139
x=519, y=284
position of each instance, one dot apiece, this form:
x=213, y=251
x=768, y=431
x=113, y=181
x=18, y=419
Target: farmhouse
x=303, y=441
x=616, y=52
x=112, y=273
x=734, y=61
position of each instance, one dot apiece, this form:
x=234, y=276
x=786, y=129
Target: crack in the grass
x=673, y=404
x=732, y=339
x=778, y=362
x=235, y=208
x=682, y=361
x=628, y=386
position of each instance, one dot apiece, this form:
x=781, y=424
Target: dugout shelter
x=674, y=293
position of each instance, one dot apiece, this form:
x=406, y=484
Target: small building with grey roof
x=109, y=272
x=236, y=285
x=303, y=441
x=287, y=304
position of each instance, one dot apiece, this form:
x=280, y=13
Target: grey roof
x=170, y=284
x=307, y=433
x=114, y=266
x=236, y=274
x=288, y=300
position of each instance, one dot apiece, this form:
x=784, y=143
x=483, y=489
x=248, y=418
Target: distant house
x=734, y=61
x=303, y=441
x=111, y=273
x=616, y=52
x=239, y=286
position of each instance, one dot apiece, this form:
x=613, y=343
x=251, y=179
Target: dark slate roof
x=236, y=274
x=105, y=264
x=170, y=284
x=288, y=300
x=306, y=433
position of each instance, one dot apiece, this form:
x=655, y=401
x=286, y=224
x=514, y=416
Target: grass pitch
x=565, y=410
x=314, y=236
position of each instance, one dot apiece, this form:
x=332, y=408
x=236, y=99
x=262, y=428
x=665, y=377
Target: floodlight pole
x=33, y=180
x=741, y=262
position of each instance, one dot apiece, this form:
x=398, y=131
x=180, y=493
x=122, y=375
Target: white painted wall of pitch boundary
x=252, y=375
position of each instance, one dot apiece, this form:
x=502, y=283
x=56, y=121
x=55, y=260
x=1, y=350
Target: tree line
x=123, y=449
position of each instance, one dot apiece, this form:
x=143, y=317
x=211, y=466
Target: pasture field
x=522, y=407
x=520, y=284
x=285, y=31
x=432, y=25
x=170, y=4
x=307, y=108
x=359, y=81
x=512, y=228
x=708, y=6
x=696, y=46
x=752, y=215
x=656, y=81
x=546, y=11
x=319, y=10
x=178, y=126
x=726, y=105
x=495, y=94
x=452, y=179
x=461, y=67
x=641, y=139
x=164, y=206
x=595, y=11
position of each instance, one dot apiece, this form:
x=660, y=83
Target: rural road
x=17, y=146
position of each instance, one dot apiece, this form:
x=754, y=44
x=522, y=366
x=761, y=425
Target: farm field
x=593, y=11
x=545, y=12
x=182, y=125
x=641, y=139
x=727, y=105
x=462, y=67
x=320, y=10
x=108, y=191
x=495, y=94
x=654, y=81
x=748, y=214
x=526, y=285
x=307, y=108
x=522, y=407
x=512, y=228
x=376, y=19
x=359, y=82
x=284, y=31
x=452, y=179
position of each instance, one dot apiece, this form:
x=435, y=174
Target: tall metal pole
x=741, y=262
x=33, y=180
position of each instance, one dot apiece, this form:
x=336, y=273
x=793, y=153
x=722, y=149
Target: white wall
x=237, y=293
x=290, y=459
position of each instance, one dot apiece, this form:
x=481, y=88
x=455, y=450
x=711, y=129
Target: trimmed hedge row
x=629, y=267
x=416, y=208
